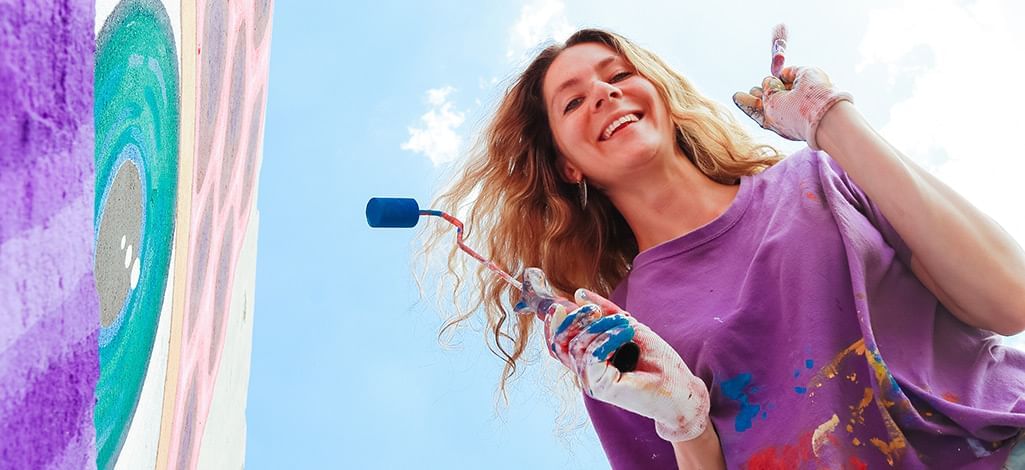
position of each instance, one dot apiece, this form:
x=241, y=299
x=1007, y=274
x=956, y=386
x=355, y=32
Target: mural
x=49, y=309
x=233, y=45
x=137, y=124
x=178, y=151
x=128, y=242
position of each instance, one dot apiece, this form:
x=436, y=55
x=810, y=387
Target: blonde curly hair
x=511, y=191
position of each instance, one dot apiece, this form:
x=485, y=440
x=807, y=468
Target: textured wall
x=48, y=303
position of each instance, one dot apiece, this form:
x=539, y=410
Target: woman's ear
x=567, y=170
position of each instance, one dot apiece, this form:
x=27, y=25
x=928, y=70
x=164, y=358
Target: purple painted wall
x=49, y=312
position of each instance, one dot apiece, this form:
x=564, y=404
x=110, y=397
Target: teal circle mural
x=137, y=126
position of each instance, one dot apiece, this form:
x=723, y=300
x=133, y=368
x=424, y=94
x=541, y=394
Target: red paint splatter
x=855, y=464
x=951, y=397
x=811, y=196
x=783, y=458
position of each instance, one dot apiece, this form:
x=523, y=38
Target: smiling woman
x=771, y=298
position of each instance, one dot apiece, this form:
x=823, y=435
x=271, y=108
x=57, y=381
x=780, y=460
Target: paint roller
x=537, y=296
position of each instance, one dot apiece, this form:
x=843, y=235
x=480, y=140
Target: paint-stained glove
x=661, y=387
x=793, y=104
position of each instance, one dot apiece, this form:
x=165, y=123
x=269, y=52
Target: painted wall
x=130, y=151
x=180, y=102
x=48, y=301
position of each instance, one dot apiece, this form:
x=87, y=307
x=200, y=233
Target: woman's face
x=607, y=120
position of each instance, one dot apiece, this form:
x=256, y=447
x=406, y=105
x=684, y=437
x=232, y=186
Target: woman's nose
x=604, y=92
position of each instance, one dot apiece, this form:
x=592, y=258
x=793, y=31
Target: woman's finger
x=751, y=106
x=788, y=76
x=584, y=296
x=756, y=92
x=771, y=85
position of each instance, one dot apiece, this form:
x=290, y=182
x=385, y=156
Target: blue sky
x=347, y=371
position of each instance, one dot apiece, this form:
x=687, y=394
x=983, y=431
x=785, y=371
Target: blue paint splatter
x=797, y=373
x=809, y=363
x=566, y=322
x=607, y=323
x=734, y=390
x=801, y=390
x=615, y=341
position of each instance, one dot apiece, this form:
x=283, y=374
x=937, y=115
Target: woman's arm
x=968, y=261
x=701, y=453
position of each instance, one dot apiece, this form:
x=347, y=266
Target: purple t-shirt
x=819, y=346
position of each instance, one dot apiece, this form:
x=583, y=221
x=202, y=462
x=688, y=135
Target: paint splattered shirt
x=820, y=347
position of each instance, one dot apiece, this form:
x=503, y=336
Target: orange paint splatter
x=889, y=449
x=951, y=397
x=858, y=411
x=830, y=370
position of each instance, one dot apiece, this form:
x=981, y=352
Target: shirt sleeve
x=834, y=176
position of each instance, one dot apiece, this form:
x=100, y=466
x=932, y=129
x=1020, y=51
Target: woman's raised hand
x=793, y=103
x=662, y=387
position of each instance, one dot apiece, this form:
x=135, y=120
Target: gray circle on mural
x=214, y=34
x=236, y=103
x=117, y=245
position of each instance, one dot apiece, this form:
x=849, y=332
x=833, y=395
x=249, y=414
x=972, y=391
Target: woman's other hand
x=793, y=101
x=793, y=104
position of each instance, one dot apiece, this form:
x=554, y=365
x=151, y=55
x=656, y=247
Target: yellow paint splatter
x=830, y=370
x=897, y=440
x=856, y=442
x=818, y=438
x=853, y=377
x=858, y=411
x=889, y=449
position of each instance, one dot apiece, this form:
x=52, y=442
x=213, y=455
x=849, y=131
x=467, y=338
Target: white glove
x=793, y=104
x=661, y=388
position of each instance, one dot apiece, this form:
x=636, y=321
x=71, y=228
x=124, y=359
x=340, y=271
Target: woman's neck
x=670, y=200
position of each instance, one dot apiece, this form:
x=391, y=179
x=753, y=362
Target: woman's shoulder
x=794, y=168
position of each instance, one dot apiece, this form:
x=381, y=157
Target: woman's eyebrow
x=574, y=81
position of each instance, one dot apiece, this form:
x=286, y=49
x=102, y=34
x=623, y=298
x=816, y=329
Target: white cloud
x=960, y=120
x=539, y=20
x=437, y=139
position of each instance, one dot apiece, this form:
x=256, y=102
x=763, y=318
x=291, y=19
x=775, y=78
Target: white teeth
x=618, y=122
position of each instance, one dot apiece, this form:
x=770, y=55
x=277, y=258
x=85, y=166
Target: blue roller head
x=397, y=212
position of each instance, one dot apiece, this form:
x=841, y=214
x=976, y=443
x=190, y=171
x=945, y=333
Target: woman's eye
x=620, y=77
x=572, y=105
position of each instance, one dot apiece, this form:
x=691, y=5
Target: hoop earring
x=582, y=191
